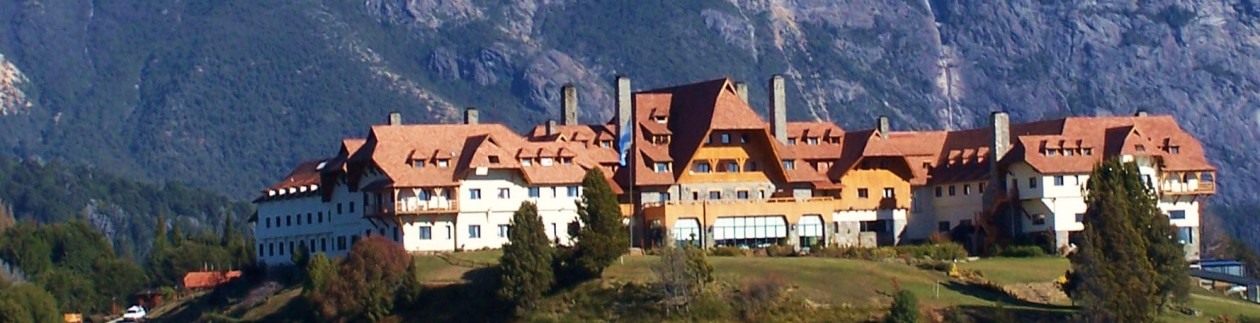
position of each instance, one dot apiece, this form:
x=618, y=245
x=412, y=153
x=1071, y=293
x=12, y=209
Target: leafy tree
x=320, y=272
x=366, y=282
x=526, y=271
x=412, y=286
x=7, y=219
x=22, y=303
x=682, y=274
x=602, y=237
x=1128, y=266
x=905, y=308
x=76, y=293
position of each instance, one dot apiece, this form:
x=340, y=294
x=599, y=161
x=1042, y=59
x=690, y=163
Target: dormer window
x=418, y=163
x=789, y=164
x=567, y=160
x=527, y=162
x=791, y=141
x=547, y=161
x=702, y=167
x=743, y=138
x=443, y=163
x=812, y=140
x=726, y=138
x=1052, y=152
x=605, y=143
x=1139, y=148
x=661, y=167
x=494, y=160
x=1174, y=149
x=660, y=119
x=1068, y=152
x=1088, y=151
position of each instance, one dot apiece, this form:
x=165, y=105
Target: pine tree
x=526, y=271
x=160, y=240
x=602, y=237
x=177, y=235
x=1127, y=264
x=905, y=308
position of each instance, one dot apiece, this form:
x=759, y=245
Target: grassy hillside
x=858, y=289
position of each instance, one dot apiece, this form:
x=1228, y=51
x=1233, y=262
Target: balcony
x=417, y=207
x=1188, y=188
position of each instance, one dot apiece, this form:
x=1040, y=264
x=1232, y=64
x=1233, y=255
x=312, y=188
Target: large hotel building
x=706, y=169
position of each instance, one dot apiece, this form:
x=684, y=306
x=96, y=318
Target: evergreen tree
x=320, y=273
x=177, y=235
x=525, y=266
x=602, y=237
x=160, y=240
x=7, y=218
x=1126, y=261
x=905, y=308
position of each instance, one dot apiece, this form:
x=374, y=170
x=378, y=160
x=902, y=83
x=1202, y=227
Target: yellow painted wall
x=874, y=181
x=757, y=149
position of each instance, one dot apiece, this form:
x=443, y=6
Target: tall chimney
x=742, y=89
x=471, y=115
x=569, y=104
x=551, y=127
x=1140, y=113
x=1000, y=124
x=882, y=125
x=395, y=118
x=778, y=108
x=624, y=105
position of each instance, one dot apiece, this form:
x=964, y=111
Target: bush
x=780, y=251
x=942, y=251
x=365, y=282
x=758, y=295
x=725, y=251
x=1019, y=251
x=905, y=308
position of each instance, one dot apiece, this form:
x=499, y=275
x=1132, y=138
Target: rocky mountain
x=227, y=94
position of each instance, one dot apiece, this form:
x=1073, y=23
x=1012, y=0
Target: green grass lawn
x=1019, y=270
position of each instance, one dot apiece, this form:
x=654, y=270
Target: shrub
x=759, y=294
x=942, y=251
x=780, y=251
x=905, y=308
x=882, y=253
x=725, y=251
x=1019, y=251
x=366, y=280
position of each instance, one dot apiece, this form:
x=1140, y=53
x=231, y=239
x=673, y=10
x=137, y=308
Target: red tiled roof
x=209, y=279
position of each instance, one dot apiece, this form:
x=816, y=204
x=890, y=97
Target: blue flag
x=623, y=144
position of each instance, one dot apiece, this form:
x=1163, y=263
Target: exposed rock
x=12, y=98
x=488, y=65
x=423, y=13
x=550, y=70
x=444, y=63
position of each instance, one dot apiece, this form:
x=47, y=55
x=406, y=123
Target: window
x=966, y=189
x=493, y=159
x=1088, y=151
x=981, y=186
x=1177, y=215
x=418, y=163
x=474, y=231
x=789, y=164
x=1080, y=217
x=443, y=162
x=320, y=217
x=547, y=161
x=889, y=193
x=291, y=249
x=323, y=244
x=1146, y=178
x=308, y=218
x=1058, y=180
x=862, y=193
x=1174, y=149
x=534, y=192
x=426, y=233
x=743, y=195
x=504, y=230
x=811, y=140
x=938, y=191
x=726, y=138
x=338, y=208
x=271, y=249
x=341, y=243
x=664, y=196
x=953, y=190
x=573, y=191
x=527, y=162
x=1039, y=219
x=299, y=221
x=1032, y=182
x=702, y=167
x=268, y=222
x=1052, y=152
x=505, y=193
x=262, y=250
x=474, y=193
x=791, y=141
x=1185, y=235
x=351, y=207
x=661, y=167
x=743, y=139
x=1139, y=148
x=715, y=195
x=732, y=167
x=942, y=226
x=750, y=166
x=288, y=219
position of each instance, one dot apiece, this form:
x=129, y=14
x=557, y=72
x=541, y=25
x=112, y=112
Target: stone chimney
x=778, y=108
x=882, y=126
x=1000, y=124
x=471, y=115
x=395, y=118
x=569, y=105
x=624, y=106
x=1140, y=113
x=551, y=127
x=742, y=89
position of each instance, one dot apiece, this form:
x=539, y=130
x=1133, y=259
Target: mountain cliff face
x=228, y=94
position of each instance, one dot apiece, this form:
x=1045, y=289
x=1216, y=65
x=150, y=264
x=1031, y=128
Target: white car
x=134, y=314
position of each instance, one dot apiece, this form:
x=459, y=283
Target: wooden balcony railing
x=418, y=207
x=1181, y=188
